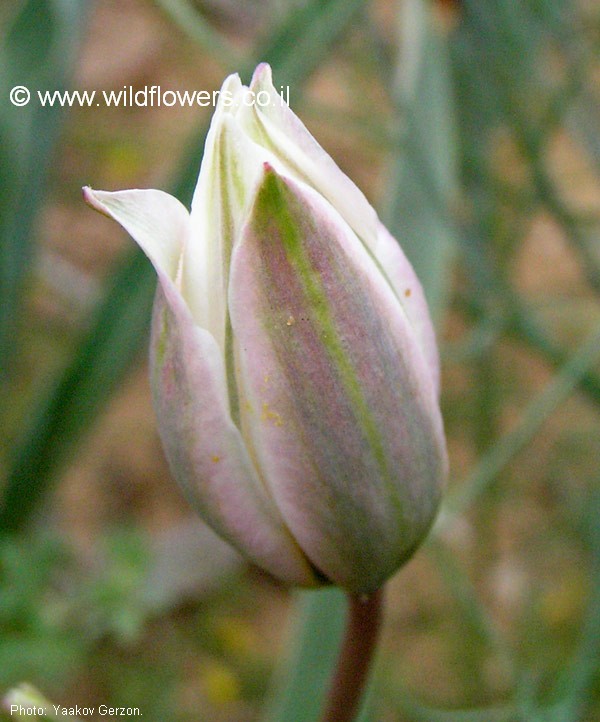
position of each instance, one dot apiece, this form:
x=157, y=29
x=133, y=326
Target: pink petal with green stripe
x=338, y=407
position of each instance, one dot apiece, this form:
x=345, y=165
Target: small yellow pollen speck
x=269, y=415
x=291, y=321
x=407, y=292
x=266, y=378
x=215, y=459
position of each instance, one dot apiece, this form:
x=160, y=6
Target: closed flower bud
x=294, y=367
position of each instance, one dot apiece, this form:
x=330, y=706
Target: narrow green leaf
x=423, y=184
x=61, y=418
x=37, y=50
x=503, y=65
x=477, y=617
x=189, y=19
x=572, y=689
x=536, y=413
x=422, y=713
x=520, y=322
x=302, y=682
x=301, y=43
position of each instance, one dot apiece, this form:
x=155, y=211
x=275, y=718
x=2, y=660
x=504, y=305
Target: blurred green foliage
x=39, y=46
x=484, y=142
x=53, y=612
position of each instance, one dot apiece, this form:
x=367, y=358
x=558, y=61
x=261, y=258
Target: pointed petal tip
x=232, y=80
x=96, y=200
x=271, y=178
x=90, y=198
x=157, y=221
x=262, y=74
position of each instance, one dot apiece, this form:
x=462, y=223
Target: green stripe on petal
x=276, y=201
x=338, y=405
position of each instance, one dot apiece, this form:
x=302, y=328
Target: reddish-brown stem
x=362, y=631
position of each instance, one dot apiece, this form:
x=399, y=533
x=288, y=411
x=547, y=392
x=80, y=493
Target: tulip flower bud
x=294, y=366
